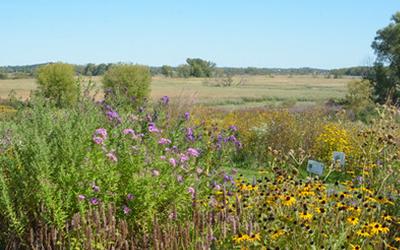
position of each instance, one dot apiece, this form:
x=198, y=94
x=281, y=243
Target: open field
x=254, y=91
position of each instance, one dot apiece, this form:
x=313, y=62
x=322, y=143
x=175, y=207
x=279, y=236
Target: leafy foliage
x=57, y=82
x=387, y=47
x=127, y=84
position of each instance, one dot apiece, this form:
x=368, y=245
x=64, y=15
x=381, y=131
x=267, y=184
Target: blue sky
x=260, y=33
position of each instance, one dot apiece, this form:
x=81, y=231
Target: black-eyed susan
x=355, y=247
x=306, y=216
x=363, y=233
x=288, y=200
x=375, y=228
x=238, y=239
x=387, y=217
x=320, y=210
x=277, y=234
x=352, y=220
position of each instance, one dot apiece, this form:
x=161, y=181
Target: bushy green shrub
x=57, y=82
x=125, y=83
x=359, y=99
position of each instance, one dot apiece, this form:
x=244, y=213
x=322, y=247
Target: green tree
x=386, y=74
x=200, y=67
x=167, y=71
x=90, y=69
x=57, y=82
x=127, y=83
x=183, y=70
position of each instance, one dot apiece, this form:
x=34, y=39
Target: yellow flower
x=397, y=239
x=320, y=210
x=306, y=216
x=277, y=234
x=387, y=217
x=375, y=228
x=363, y=233
x=255, y=237
x=240, y=238
x=288, y=200
x=352, y=220
x=384, y=230
x=355, y=247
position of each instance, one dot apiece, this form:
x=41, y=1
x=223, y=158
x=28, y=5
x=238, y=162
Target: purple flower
x=98, y=140
x=193, y=152
x=187, y=116
x=163, y=157
x=164, y=141
x=179, y=178
x=95, y=188
x=152, y=128
x=126, y=210
x=192, y=191
x=233, y=128
x=113, y=115
x=232, y=138
x=165, y=100
x=184, y=158
x=172, y=161
x=130, y=196
x=189, y=134
x=94, y=201
x=81, y=197
x=101, y=132
x=111, y=156
x=128, y=131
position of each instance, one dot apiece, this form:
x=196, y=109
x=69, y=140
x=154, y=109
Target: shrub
x=359, y=98
x=57, y=82
x=126, y=83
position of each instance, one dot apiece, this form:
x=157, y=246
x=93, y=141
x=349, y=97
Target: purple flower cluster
x=164, y=141
x=190, y=134
x=112, y=115
x=99, y=136
x=193, y=152
x=153, y=128
x=165, y=100
x=192, y=192
x=129, y=131
x=111, y=156
x=187, y=116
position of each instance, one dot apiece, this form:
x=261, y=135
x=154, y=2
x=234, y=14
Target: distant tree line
x=194, y=67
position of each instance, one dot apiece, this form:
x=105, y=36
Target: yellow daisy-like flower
x=375, y=228
x=387, y=217
x=240, y=238
x=320, y=210
x=397, y=239
x=255, y=237
x=277, y=234
x=306, y=216
x=354, y=209
x=355, y=247
x=288, y=200
x=352, y=220
x=384, y=230
x=363, y=233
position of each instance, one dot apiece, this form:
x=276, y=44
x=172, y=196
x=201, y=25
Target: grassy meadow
x=255, y=91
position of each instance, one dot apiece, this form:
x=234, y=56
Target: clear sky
x=261, y=33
